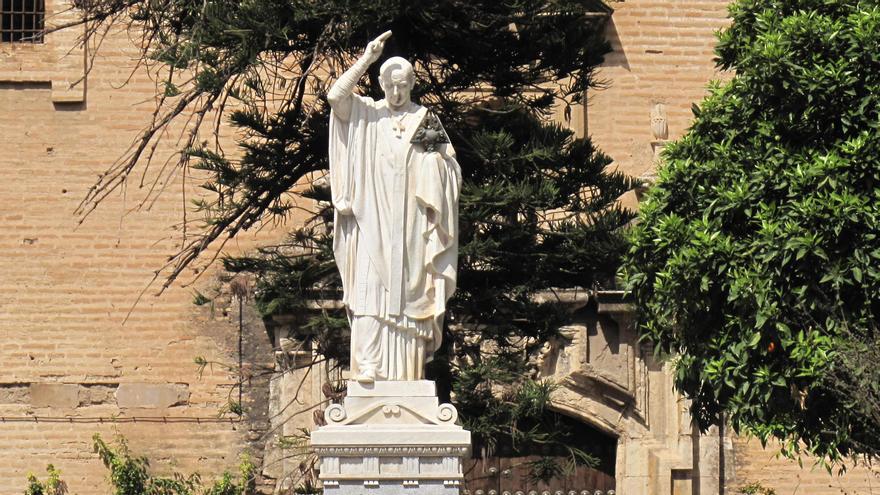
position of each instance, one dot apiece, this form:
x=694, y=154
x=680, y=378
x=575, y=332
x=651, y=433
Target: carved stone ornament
x=421, y=451
x=659, y=122
x=391, y=435
x=402, y=412
x=430, y=133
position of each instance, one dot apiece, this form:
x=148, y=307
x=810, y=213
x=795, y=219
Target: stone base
x=388, y=487
x=391, y=437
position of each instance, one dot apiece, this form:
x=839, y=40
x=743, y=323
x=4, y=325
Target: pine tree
x=538, y=205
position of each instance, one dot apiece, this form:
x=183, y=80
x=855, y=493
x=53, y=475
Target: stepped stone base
x=391, y=438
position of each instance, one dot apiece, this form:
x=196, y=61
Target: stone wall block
x=55, y=395
x=14, y=393
x=151, y=395
x=97, y=395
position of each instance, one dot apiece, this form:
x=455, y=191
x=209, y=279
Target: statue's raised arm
x=339, y=95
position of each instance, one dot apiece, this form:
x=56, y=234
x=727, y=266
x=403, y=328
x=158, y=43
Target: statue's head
x=397, y=78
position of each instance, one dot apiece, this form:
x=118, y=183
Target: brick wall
x=66, y=356
x=754, y=464
x=65, y=353
x=662, y=53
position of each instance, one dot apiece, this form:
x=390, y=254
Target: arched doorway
x=550, y=470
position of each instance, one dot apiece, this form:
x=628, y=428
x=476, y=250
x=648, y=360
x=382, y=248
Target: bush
x=52, y=486
x=130, y=475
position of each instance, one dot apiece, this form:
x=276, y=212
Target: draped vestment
x=395, y=236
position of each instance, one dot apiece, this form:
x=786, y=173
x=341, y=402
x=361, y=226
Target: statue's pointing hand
x=375, y=47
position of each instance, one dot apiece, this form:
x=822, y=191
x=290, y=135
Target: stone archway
x=608, y=379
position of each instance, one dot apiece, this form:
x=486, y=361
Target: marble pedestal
x=391, y=438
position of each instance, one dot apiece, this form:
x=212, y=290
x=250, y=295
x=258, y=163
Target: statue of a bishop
x=395, y=186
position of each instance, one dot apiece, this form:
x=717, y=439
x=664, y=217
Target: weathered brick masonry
x=662, y=53
x=67, y=360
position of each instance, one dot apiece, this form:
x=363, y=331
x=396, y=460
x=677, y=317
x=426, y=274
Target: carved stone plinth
x=391, y=438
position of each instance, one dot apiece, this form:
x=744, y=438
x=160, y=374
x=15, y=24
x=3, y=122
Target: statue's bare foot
x=366, y=378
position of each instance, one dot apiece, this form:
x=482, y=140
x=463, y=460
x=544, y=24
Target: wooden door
x=512, y=476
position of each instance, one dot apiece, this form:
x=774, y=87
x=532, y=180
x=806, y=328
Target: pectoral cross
x=398, y=127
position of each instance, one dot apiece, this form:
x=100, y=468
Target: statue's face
x=398, y=88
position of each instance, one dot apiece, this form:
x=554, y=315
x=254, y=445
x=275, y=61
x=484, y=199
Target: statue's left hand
x=375, y=47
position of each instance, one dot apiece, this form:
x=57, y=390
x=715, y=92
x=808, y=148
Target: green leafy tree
x=538, y=207
x=756, y=262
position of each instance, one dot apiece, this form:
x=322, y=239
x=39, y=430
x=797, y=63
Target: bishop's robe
x=395, y=236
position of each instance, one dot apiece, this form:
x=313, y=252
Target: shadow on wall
x=617, y=57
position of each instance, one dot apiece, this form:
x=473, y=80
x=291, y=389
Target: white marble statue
x=395, y=185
